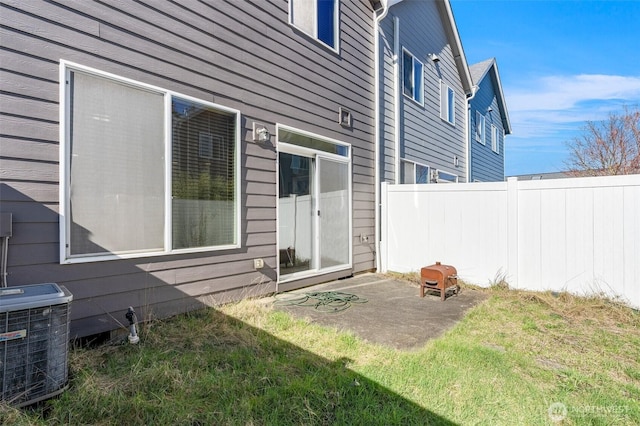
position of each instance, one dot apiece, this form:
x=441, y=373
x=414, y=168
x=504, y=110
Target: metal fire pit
x=440, y=278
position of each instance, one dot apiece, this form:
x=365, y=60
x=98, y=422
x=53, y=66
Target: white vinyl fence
x=580, y=235
x=296, y=216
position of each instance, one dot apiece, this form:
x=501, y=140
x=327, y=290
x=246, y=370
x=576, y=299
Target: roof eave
x=501, y=99
x=451, y=30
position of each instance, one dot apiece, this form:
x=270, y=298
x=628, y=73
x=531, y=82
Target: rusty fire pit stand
x=440, y=278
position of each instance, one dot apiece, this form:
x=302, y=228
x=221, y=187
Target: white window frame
x=481, y=123
x=438, y=176
x=65, y=168
x=414, y=174
x=416, y=95
x=495, y=144
x=314, y=31
x=447, y=106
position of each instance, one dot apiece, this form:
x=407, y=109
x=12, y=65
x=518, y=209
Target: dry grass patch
x=505, y=363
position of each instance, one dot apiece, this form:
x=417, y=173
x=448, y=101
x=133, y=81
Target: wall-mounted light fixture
x=435, y=58
x=260, y=132
x=263, y=134
x=456, y=161
x=489, y=109
x=344, y=117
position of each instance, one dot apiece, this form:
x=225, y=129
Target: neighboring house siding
x=486, y=165
x=387, y=100
x=425, y=137
x=237, y=54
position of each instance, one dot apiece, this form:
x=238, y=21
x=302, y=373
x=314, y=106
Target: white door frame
x=313, y=154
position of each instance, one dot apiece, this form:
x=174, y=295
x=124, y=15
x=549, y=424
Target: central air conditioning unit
x=34, y=342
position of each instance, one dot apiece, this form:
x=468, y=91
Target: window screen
x=116, y=167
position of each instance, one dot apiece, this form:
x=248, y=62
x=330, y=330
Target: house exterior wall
x=240, y=55
x=424, y=137
x=485, y=164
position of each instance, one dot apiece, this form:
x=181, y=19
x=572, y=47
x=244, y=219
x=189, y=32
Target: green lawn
x=507, y=362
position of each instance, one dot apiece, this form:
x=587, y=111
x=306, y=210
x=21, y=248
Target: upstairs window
x=447, y=103
x=412, y=77
x=494, y=139
x=317, y=18
x=480, y=126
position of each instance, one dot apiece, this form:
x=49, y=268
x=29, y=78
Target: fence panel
x=580, y=235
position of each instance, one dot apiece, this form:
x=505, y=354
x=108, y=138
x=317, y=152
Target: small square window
x=412, y=77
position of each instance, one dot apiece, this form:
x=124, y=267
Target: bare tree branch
x=607, y=147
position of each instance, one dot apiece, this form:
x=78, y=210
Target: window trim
x=447, y=110
x=65, y=68
x=414, y=59
x=314, y=35
x=437, y=179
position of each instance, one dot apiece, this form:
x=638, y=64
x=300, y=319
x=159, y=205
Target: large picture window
x=317, y=18
x=132, y=187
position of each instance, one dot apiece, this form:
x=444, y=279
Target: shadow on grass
x=209, y=368
x=199, y=368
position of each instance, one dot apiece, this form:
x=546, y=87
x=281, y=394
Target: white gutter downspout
x=396, y=102
x=474, y=90
x=377, y=135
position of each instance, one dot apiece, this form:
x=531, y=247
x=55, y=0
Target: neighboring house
x=544, y=176
x=424, y=84
x=154, y=154
x=488, y=124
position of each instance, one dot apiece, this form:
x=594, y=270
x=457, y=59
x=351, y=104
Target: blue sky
x=561, y=63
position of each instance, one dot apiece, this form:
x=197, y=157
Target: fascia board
x=446, y=14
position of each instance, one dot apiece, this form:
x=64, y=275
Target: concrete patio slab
x=394, y=314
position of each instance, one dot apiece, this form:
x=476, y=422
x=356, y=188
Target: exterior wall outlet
x=258, y=263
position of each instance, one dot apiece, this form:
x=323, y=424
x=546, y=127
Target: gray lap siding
x=242, y=55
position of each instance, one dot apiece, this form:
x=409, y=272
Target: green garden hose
x=324, y=301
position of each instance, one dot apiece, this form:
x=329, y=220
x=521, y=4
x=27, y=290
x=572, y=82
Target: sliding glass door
x=314, y=205
x=296, y=208
x=333, y=213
